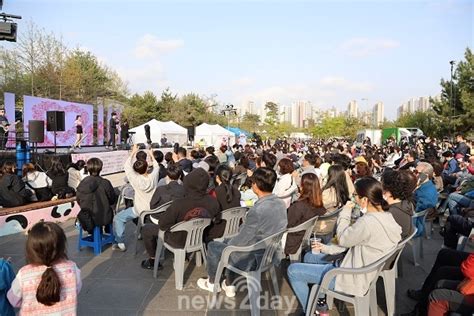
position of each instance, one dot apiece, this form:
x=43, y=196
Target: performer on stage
x=113, y=122
x=79, y=132
x=124, y=132
x=4, y=125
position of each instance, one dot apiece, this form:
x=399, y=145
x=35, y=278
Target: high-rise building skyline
x=378, y=114
x=414, y=104
x=353, y=109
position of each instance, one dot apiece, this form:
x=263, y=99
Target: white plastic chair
x=141, y=221
x=389, y=275
x=232, y=217
x=288, y=198
x=194, y=243
x=121, y=198
x=269, y=245
x=330, y=219
x=361, y=304
x=307, y=227
x=417, y=241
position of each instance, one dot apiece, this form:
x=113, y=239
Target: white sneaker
x=120, y=246
x=204, y=284
x=228, y=289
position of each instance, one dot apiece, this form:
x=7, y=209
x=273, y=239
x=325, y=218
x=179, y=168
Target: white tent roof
x=213, y=134
x=173, y=131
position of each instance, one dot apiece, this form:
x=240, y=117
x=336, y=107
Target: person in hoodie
x=369, y=239
x=38, y=182
x=195, y=199
x=172, y=190
x=144, y=185
x=398, y=187
x=96, y=194
x=12, y=188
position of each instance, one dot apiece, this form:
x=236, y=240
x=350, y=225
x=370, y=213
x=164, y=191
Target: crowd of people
x=375, y=191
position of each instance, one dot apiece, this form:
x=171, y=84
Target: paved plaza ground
x=115, y=284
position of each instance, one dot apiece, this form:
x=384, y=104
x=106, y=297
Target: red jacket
x=467, y=268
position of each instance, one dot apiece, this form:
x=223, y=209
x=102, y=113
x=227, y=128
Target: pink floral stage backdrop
x=36, y=108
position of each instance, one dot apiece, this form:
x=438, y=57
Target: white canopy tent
x=174, y=132
x=213, y=135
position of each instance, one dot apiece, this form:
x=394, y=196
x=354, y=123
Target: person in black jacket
x=96, y=195
x=173, y=190
x=195, y=186
x=59, y=177
x=308, y=205
x=227, y=196
x=12, y=188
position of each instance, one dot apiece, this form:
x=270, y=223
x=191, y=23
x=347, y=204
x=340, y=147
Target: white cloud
x=363, y=46
x=149, y=46
x=152, y=77
x=243, y=81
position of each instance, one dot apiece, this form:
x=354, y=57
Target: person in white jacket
x=286, y=185
x=370, y=238
x=37, y=181
x=144, y=185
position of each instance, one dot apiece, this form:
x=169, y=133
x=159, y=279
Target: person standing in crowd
x=96, y=195
x=50, y=283
x=4, y=125
x=144, y=185
x=38, y=182
x=12, y=189
x=265, y=218
x=112, y=130
x=79, y=132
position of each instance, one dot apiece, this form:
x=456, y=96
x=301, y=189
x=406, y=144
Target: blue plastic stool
x=97, y=240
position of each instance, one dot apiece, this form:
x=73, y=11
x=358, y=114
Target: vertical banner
x=9, y=99
x=100, y=125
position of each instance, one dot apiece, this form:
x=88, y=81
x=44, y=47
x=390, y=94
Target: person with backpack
x=37, y=182
x=95, y=196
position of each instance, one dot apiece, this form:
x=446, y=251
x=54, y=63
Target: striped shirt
x=23, y=291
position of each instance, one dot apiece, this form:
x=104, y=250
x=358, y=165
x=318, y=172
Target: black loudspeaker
x=155, y=145
x=55, y=121
x=36, y=131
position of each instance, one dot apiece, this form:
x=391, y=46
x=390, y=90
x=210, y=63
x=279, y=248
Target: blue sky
x=328, y=52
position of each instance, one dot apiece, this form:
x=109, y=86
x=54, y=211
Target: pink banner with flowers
x=36, y=108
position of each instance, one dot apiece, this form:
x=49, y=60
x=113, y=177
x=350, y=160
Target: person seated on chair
x=59, y=177
x=144, y=185
x=398, y=188
x=172, y=190
x=426, y=195
x=196, y=203
x=159, y=157
x=267, y=217
x=308, y=205
x=12, y=189
x=38, y=182
x=456, y=226
x=286, y=184
x=96, y=196
x=75, y=173
x=447, y=266
x=369, y=239
x=227, y=196
x=183, y=161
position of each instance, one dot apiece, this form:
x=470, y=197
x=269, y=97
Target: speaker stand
x=55, y=141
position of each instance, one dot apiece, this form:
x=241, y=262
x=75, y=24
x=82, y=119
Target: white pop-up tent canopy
x=213, y=135
x=174, y=132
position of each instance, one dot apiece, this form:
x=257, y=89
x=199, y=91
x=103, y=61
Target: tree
x=271, y=109
x=427, y=121
x=457, y=115
x=250, y=122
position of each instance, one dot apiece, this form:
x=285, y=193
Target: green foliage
x=458, y=116
x=250, y=122
x=427, y=121
x=337, y=126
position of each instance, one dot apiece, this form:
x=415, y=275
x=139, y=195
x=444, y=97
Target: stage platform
x=113, y=159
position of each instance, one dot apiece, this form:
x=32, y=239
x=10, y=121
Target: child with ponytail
x=49, y=283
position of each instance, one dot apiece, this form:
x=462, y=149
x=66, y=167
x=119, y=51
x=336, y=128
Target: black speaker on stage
x=55, y=121
x=35, y=131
